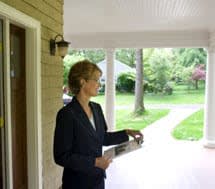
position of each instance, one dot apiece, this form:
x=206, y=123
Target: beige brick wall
x=50, y=15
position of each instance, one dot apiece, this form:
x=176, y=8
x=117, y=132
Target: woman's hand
x=136, y=134
x=103, y=162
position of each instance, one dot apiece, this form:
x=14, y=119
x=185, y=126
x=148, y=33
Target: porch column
x=209, y=122
x=110, y=90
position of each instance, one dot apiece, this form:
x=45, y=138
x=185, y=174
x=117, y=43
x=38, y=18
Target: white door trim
x=33, y=93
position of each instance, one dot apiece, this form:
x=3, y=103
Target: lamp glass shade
x=62, y=51
x=58, y=47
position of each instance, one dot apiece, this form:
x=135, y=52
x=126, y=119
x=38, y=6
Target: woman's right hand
x=103, y=162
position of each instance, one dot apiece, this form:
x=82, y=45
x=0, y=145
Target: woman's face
x=92, y=85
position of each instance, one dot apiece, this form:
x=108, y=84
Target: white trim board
x=33, y=92
x=148, y=39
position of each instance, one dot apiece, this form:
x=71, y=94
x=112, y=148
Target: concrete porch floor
x=164, y=163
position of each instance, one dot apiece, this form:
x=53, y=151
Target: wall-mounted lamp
x=62, y=46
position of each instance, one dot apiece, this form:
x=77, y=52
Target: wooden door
x=18, y=107
x=2, y=138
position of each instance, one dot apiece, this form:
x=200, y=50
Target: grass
x=190, y=128
x=126, y=119
x=181, y=95
x=178, y=97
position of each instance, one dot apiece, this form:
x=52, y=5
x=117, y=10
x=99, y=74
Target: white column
x=209, y=122
x=110, y=90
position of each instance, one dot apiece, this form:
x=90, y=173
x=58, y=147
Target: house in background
x=119, y=68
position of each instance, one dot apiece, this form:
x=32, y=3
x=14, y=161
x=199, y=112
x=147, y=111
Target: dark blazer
x=77, y=144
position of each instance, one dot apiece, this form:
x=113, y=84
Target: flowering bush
x=198, y=74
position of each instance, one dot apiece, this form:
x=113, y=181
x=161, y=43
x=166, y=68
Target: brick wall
x=50, y=15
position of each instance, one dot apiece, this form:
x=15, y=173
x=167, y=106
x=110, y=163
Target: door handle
x=1, y=122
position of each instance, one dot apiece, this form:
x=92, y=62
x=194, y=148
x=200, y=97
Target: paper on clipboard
x=123, y=148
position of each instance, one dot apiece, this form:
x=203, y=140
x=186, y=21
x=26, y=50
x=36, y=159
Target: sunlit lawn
x=178, y=97
x=181, y=95
x=190, y=128
x=125, y=119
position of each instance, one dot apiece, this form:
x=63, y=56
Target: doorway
x=21, y=31
x=2, y=133
x=18, y=106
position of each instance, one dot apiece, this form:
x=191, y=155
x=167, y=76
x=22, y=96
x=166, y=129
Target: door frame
x=2, y=130
x=33, y=94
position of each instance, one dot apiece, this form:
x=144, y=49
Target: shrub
x=167, y=89
x=126, y=82
x=102, y=88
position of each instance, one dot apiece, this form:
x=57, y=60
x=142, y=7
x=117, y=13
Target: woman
x=81, y=131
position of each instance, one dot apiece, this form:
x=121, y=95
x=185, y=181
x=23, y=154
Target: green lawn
x=190, y=128
x=181, y=95
x=125, y=119
x=178, y=97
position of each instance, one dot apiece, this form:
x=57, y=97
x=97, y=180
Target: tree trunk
x=196, y=84
x=139, y=105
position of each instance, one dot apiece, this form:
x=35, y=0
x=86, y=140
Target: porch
x=163, y=162
x=174, y=165
x=103, y=24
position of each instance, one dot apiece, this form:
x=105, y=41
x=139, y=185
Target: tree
x=186, y=75
x=190, y=56
x=139, y=105
x=126, y=56
x=198, y=74
x=93, y=55
x=158, y=73
x=176, y=72
x=68, y=61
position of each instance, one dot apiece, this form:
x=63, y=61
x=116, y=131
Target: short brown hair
x=81, y=70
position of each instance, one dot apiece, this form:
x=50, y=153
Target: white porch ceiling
x=103, y=21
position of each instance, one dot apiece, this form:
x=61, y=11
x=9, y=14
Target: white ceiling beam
x=140, y=39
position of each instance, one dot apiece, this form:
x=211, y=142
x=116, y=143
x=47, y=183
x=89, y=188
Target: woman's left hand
x=136, y=134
